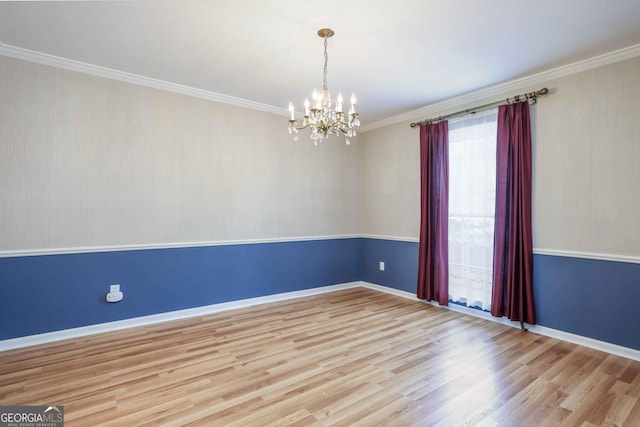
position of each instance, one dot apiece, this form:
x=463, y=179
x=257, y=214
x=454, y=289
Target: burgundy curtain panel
x=513, y=247
x=433, y=262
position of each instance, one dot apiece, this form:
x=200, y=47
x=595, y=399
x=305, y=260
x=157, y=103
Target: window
x=472, y=186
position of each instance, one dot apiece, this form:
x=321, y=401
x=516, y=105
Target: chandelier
x=323, y=115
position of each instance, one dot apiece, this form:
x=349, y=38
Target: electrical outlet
x=381, y=265
x=114, y=294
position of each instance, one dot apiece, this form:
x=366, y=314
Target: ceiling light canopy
x=323, y=115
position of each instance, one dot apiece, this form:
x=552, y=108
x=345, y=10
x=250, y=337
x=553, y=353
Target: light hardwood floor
x=352, y=357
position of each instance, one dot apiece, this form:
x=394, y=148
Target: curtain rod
x=514, y=99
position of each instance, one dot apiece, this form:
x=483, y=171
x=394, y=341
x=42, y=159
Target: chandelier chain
x=324, y=71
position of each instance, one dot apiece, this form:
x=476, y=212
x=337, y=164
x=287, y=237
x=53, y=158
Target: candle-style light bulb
x=292, y=111
x=306, y=106
x=339, y=103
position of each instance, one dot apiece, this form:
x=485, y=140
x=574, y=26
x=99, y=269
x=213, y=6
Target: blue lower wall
x=595, y=299
x=55, y=292
x=400, y=263
x=592, y=298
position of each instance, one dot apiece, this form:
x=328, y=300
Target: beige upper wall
x=87, y=161
x=391, y=181
x=587, y=162
x=586, y=149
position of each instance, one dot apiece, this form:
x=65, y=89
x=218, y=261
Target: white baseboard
x=164, y=317
x=216, y=308
x=618, y=350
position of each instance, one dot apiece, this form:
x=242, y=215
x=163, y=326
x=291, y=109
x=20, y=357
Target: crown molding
x=96, y=70
x=419, y=114
x=483, y=95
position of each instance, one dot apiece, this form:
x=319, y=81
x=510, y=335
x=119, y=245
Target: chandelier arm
x=301, y=127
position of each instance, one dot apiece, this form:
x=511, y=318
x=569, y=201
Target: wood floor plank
x=633, y=416
x=351, y=357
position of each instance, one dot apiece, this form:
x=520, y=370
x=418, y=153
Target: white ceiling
x=397, y=56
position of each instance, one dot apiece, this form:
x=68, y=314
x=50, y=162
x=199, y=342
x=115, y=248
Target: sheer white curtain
x=472, y=186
